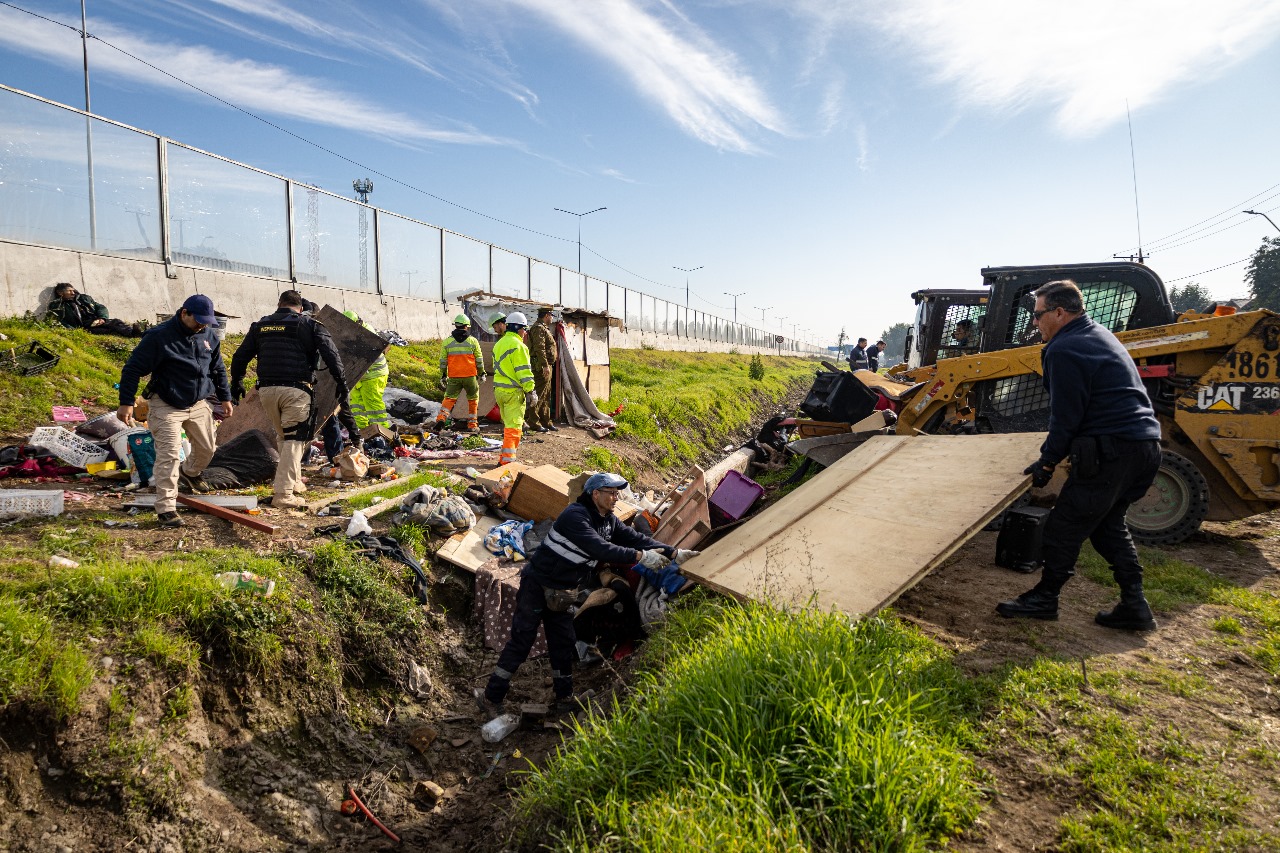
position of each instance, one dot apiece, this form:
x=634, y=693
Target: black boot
x=1035, y=603
x=1131, y=614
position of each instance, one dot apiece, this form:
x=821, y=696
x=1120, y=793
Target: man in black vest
x=858, y=359
x=288, y=345
x=1101, y=417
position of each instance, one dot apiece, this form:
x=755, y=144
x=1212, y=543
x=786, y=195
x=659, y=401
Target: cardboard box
x=490, y=479
x=540, y=493
x=543, y=492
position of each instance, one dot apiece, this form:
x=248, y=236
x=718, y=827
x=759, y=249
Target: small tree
x=1263, y=275
x=895, y=339
x=756, y=369
x=1190, y=297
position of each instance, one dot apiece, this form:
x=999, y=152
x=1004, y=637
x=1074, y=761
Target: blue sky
x=824, y=157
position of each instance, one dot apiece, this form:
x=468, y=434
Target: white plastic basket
x=68, y=446
x=30, y=502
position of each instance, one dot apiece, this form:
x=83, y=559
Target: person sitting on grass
x=81, y=311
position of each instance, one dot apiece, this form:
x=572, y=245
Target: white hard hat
x=515, y=318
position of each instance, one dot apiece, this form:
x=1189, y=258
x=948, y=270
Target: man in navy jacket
x=183, y=357
x=585, y=537
x=1101, y=417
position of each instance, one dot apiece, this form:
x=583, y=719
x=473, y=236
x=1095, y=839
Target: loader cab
x=948, y=324
x=1119, y=296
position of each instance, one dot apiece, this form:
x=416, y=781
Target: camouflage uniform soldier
x=542, y=358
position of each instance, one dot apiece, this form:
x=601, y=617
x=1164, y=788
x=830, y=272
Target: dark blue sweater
x=1094, y=390
x=185, y=366
x=580, y=540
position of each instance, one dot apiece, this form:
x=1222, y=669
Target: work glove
x=1041, y=472
x=532, y=398
x=683, y=554
x=654, y=559
x=237, y=391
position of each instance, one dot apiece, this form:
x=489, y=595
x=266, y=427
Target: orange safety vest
x=459, y=359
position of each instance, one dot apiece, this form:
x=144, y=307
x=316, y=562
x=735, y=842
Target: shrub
x=756, y=370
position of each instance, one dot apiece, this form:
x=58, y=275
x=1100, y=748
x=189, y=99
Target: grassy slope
x=757, y=731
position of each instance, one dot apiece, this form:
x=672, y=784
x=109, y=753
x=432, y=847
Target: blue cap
x=200, y=307
x=606, y=480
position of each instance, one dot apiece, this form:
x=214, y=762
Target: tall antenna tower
x=363, y=186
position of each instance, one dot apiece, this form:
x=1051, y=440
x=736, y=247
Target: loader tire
x=1173, y=507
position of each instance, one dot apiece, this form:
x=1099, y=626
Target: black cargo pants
x=1107, y=476
x=532, y=611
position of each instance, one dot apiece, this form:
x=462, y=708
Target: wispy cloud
x=703, y=87
x=1080, y=59
x=617, y=176
x=255, y=86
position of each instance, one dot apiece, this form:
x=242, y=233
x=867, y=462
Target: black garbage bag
x=247, y=459
x=406, y=410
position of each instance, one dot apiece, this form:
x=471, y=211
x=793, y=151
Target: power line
x=1233, y=210
x=345, y=158
x=1204, y=272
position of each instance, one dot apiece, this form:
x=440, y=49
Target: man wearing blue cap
x=585, y=537
x=184, y=360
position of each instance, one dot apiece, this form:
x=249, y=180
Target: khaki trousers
x=287, y=407
x=167, y=424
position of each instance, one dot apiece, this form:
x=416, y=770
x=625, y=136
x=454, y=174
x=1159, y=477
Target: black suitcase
x=837, y=396
x=1020, y=543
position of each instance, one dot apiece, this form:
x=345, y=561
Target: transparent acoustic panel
x=617, y=301
x=510, y=274
x=224, y=216
x=544, y=283
x=333, y=240
x=45, y=181
x=409, y=257
x=466, y=265
x=597, y=295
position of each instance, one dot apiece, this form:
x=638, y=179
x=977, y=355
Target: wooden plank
x=358, y=347
x=837, y=540
x=226, y=514
x=225, y=501
x=687, y=521
x=466, y=550
x=598, y=382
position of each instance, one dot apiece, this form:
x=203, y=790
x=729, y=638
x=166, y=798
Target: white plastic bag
x=358, y=524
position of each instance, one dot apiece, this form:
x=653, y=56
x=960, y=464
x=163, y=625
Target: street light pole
x=1263, y=215
x=764, y=308
x=88, y=129
x=735, y=303
x=580, y=215
x=686, y=282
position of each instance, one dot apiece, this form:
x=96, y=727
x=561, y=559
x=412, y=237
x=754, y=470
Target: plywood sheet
x=869, y=527
x=597, y=341
x=358, y=348
x=598, y=382
x=466, y=550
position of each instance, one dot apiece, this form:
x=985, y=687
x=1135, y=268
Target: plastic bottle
x=246, y=580
x=499, y=727
x=59, y=562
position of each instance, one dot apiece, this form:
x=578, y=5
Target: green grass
x=597, y=458
x=1140, y=784
x=770, y=731
x=677, y=405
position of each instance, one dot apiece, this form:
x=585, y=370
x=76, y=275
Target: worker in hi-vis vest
x=461, y=369
x=367, y=405
x=512, y=382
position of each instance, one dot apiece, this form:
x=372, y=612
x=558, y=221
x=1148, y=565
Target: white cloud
x=1081, y=59
x=701, y=86
x=616, y=175
x=255, y=86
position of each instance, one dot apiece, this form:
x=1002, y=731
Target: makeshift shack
x=582, y=375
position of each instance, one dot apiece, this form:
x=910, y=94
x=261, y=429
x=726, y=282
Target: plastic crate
x=30, y=502
x=35, y=360
x=734, y=497
x=68, y=446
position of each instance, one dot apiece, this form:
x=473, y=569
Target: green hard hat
x=352, y=316
x=461, y=320
x=496, y=319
